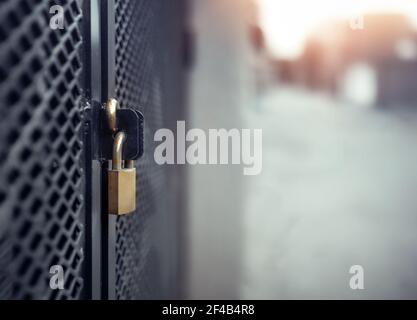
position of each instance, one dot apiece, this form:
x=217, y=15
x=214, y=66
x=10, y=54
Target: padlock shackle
x=119, y=140
x=111, y=109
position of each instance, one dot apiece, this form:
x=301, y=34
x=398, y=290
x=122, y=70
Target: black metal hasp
x=130, y=121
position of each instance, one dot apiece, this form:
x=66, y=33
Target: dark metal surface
x=53, y=184
x=42, y=213
x=149, y=78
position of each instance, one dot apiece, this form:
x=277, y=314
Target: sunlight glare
x=287, y=23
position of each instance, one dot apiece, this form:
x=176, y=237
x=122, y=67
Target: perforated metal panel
x=41, y=177
x=42, y=181
x=148, y=77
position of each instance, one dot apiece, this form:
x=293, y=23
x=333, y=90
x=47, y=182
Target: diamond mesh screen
x=147, y=78
x=41, y=180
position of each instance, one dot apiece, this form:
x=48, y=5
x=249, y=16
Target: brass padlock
x=121, y=181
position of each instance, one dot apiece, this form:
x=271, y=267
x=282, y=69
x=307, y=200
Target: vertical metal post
x=108, y=91
x=93, y=198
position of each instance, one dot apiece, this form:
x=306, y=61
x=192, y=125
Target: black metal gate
x=52, y=86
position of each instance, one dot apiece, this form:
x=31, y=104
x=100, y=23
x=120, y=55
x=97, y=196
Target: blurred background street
x=333, y=86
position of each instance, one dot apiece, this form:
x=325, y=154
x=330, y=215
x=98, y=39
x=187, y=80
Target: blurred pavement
x=338, y=188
